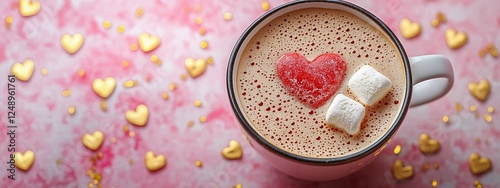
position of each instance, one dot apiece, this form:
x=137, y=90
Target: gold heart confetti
x=24, y=161
x=455, y=39
x=23, y=71
x=195, y=67
x=94, y=141
x=148, y=42
x=29, y=8
x=428, y=145
x=401, y=172
x=479, y=165
x=233, y=151
x=480, y=90
x=409, y=29
x=153, y=162
x=72, y=43
x=138, y=117
x=105, y=87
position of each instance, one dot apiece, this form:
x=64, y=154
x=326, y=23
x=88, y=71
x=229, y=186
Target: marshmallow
x=345, y=114
x=369, y=85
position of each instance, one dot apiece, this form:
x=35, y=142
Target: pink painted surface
x=45, y=127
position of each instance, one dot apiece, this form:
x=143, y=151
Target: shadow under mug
x=428, y=78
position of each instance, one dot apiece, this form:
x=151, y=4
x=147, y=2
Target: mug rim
x=381, y=142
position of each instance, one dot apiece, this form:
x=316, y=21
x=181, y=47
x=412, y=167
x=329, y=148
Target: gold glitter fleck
x=426, y=167
x=198, y=20
x=197, y=103
x=264, y=5
x=129, y=84
x=184, y=76
x=228, y=15
x=133, y=47
x=476, y=183
x=198, y=164
x=91, y=184
x=99, y=155
x=488, y=118
x=71, y=110
x=66, y=92
x=44, y=71
x=139, y=12
x=446, y=119
x=435, y=22
x=121, y=28
x=154, y=58
x=190, y=123
x=202, y=31
x=131, y=161
x=239, y=185
x=458, y=107
x=8, y=21
x=434, y=183
x=472, y=108
x=204, y=44
x=81, y=72
x=104, y=106
x=436, y=165
x=210, y=60
x=106, y=24
x=441, y=17
x=125, y=64
x=113, y=140
x=131, y=133
x=491, y=109
x=172, y=86
x=125, y=128
x=483, y=53
x=164, y=95
x=96, y=181
x=203, y=119
x=397, y=149
x=59, y=161
x=494, y=52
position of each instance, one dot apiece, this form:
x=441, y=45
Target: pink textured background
x=46, y=128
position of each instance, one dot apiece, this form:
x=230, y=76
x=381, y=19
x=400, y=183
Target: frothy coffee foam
x=290, y=125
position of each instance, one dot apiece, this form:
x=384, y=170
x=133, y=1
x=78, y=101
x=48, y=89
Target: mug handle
x=432, y=78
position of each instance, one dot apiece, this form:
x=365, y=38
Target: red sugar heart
x=312, y=83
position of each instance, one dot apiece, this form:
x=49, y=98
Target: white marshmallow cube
x=369, y=85
x=345, y=114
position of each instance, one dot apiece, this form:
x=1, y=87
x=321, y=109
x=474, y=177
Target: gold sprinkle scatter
x=202, y=31
x=458, y=107
x=494, y=52
x=184, y=76
x=204, y=44
x=91, y=184
x=436, y=165
x=121, y=28
x=210, y=60
x=131, y=161
x=198, y=20
x=435, y=22
x=172, y=86
x=164, y=95
x=99, y=155
x=113, y=140
x=476, y=183
x=228, y=15
x=59, y=161
x=44, y=71
x=96, y=181
x=472, y=108
x=133, y=47
x=197, y=103
x=441, y=17
x=129, y=84
x=264, y=5
x=71, y=110
x=488, y=118
x=66, y=92
x=106, y=24
x=198, y=163
x=81, y=72
x=397, y=149
x=446, y=119
x=154, y=58
x=8, y=21
x=131, y=133
x=139, y=12
x=125, y=128
x=239, y=185
x=125, y=64
x=190, y=123
x=203, y=119
x=426, y=167
x=434, y=183
x=491, y=109
x=104, y=106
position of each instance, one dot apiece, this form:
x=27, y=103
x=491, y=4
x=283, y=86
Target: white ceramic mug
x=428, y=78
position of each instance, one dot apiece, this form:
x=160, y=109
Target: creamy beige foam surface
x=290, y=125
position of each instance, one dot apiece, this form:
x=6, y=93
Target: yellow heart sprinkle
x=23, y=71
x=93, y=141
x=479, y=165
x=138, y=117
x=105, y=87
x=153, y=162
x=233, y=151
x=401, y=172
x=148, y=42
x=24, y=161
x=480, y=90
x=455, y=39
x=195, y=68
x=28, y=8
x=72, y=43
x=409, y=29
x=428, y=145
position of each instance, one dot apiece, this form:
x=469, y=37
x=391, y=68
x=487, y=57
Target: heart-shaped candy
x=153, y=162
x=148, y=42
x=428, y=145
x=311, y=82
x=93, y=141
x=479, y=165
x=24, y=161
x=455, y=39
x=195, y=68
x=401, y=172
x=23, y=71
x=480, y=90
x=233, y=151
x=138, y=117
x=28, y=8
x=105, y=87
x=409, y=29
x=72, y=43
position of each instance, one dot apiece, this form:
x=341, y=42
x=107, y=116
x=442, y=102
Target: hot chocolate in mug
x=291, y=132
